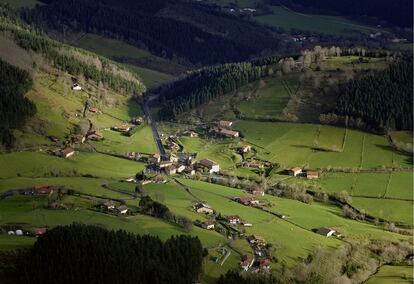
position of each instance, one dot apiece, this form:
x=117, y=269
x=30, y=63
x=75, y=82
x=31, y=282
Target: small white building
x=76, y=87
x=327, y=232
x=212, y=166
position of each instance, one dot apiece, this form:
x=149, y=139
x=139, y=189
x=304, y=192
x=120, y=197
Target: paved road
x=155, y=133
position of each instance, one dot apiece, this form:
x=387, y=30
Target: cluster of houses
x=247, y=200
x=260, y=262
x=112, y=207
x=298, y=172
x=183, y=163
x=17, y=230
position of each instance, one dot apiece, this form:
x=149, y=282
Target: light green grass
x=389, y=274
x=269, y=101
x=115, y=142
x=37, y=164
x=288, y=19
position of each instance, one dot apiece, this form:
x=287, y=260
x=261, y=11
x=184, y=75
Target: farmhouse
x=254, y=164
x=203, y=208
x=39, y=231
x=77, y=138
x=209, y=225
x=137, y=120
x=67, y=152
x=108, y=205
x=43, y=189
x=76, y=87
x=172, y=145
x=212, y=166
x=170, y=170
x=247, y=262
x=172, y=158
x=247, y=200
x=95, y=135
x=228, y=133
x=233, y=219
x=123, y=209
x=154, y=158
x=94, y=110
x=312, y=174
x=122, y=128
x=257, y=192
x=189, y=171
x=225, y=123
x=327, y=232
x=256, y=240
x=295, y=171
x=264, y=264
x=133, y=155
x=245, y=148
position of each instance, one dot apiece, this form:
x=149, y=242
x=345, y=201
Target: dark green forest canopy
x=15, y=109
x=382, y=99
x=89, y=254
x=138, y=23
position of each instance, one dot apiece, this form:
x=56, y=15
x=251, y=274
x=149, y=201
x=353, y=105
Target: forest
x=381, y=99
x=15, y=108
x=209, y=83
x=395, y=13
x=138, y=24
x=104, y=256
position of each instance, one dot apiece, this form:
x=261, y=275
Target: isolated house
x=190, y=133
x=245, y=148
x=327, y=232
x=228, y=133
x=43, y=189
x=295, y=171
x=264, y=264
x=203, y=208
x=233, y=219
x=312, y=175
x=137, y=120
x=67, y=152
x=39, y=231
x=123, y=209
x=257, y=192
x=76, y=87
x=96, y=135
x=247, y=200
x=212, y=166
x=122, y=128
x=225, y=123
x=209, y=225
x=108, y=205
x=94, y=110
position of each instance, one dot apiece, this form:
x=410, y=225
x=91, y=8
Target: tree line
x=208, y=83
x=89, y=254
x=382, y=99
x=15, y=108
x=140, y=24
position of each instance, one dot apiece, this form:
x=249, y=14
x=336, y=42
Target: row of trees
x=139, y=25
x=209, y=83
x=382, y=99
x=89, y=254
x=15, y=108
x=29, y=39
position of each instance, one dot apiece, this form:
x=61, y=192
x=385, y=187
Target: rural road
x=155, y=133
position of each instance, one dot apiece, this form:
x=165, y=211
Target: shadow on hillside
x=409, y=157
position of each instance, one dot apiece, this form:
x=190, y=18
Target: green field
x=268, y=99
x=21, y=3
x=389, y=274
x=283, y=17
x=125, y=53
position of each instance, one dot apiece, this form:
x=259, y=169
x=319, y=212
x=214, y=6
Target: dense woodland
x=139, y=23
x=396, y=13
x=209, y=83
x=15, y=108
x=89, y=254
x=382, y=99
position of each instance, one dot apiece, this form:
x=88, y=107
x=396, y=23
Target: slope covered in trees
x=383, y=99
x=207, y=84
x=88, y=254
x=142, y=24
x=15, y=109
x=398, y=12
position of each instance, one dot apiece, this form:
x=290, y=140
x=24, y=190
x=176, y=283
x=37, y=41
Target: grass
x=38, y=164
x=10, y=242
x=123, y=52
x=21, y=3
x=283, y=17
x=114, y=142
x=389, y=274
x=271, y=98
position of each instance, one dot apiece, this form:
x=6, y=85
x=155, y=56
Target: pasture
x=283, y=17
x=389, y=274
